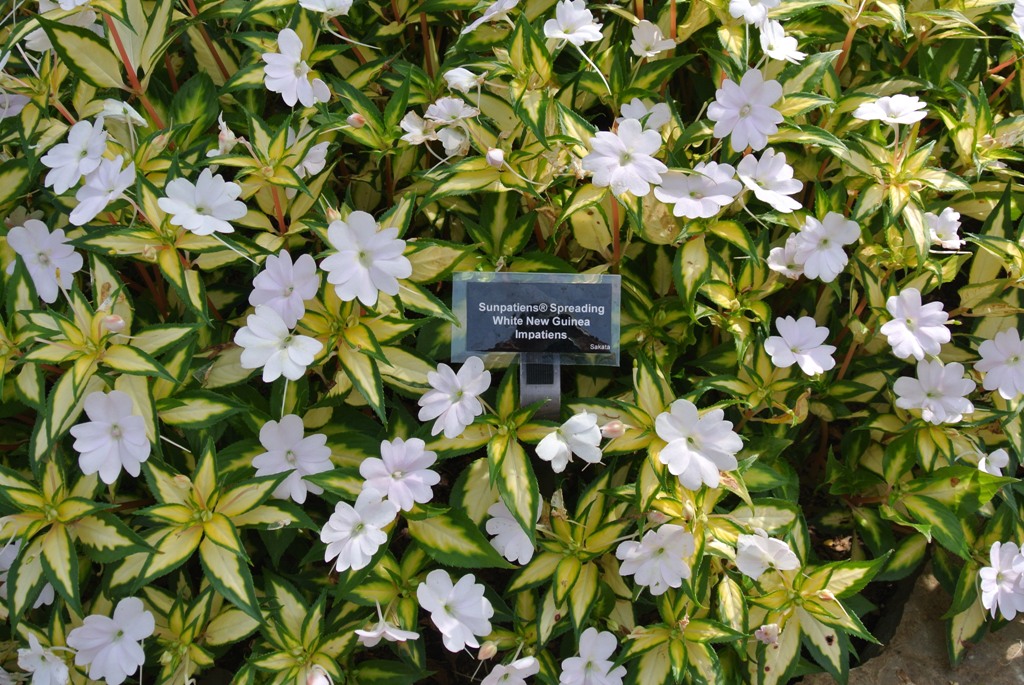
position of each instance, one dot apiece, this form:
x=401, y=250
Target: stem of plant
x=209, y=42
x=360, y=57
x=133, y=77
x=278, y=211
x=672, y=28
x=63, y=111
x=616, y=238
x=428, y=63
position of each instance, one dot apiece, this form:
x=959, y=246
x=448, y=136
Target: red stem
x=133, y=78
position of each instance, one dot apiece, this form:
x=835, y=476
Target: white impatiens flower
x=745, y=111
x=653, y=117
x=315, y=158
x=460, y=610
x=943, y=229
x=496, y=11
x=384, y=630
x=46, y=667
x=105, y=184
x=578, y=436
x=366, y=260
x=287, y=450
x=698, y=446
x=226, y=138
x=648, y=40
x=752, y=11
x=69, y=161
x=48, y=258
x=916, y=330
x=39, y=41
x=454, y=139
x=658, y=561
x=205, y=207
x=509, y=539
x=1002, y=583
x=329, y=8
x=594, y=665
x=284, y=286
x=573, y=23
x=995, y=462
x=623, y=160
x=453, y=398
x=110, y=645
x=940, y=392
x=287, y=74
x=449, y=111
x=115, y=110
x=700, y=193
x=800, y=341
x=756, y=553
x=113, y=438
x=786, y=259
x=820, y=245
x=1002, y=362
x=771, y=179
x=462, y=79
x=767, y=634
x=270, y=344
x=417, y=130
x=514, y=673
x=402, y=473
x=892, y=110
x=777, y=45
x=353, y=534
x=7, y=557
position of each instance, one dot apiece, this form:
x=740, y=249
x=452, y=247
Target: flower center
x=116, y=432
x=745, y=111
x=358, y=528
x=201, y=210
x=397, y=475
x=288, y=291
x=289, y=457
x=43, y=258
x=286, y=342
x=625, y=158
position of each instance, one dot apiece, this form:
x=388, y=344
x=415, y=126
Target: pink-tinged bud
x=487, y=651
x=113, y=323
x=656, y=518
x=356, y=120
x=768, y=634
x=826, y=596
x=613, y=429
x=333, y=215
x=496, y=157
x=318, y=676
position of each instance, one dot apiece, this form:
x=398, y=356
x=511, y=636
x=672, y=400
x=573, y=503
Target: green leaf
x=229, y=575
x=84, y=53
x=60, y=563
x=106, y=537
x=196, y=409
x=134, y=361
x=945, y=526
x=452, y=539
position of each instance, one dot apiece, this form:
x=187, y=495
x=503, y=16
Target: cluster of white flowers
x=444, y=121
x=816, y=250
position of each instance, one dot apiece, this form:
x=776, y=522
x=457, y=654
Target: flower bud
x=113, y=323
x=656, y=518
x=768, y=634
x=356, y=120
x=333, y=215
x=318, y=676
x=496, y=157
x=487, y=651
x=827, y=596
x=613, y=429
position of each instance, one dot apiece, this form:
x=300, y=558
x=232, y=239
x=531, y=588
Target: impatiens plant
x=232, y=432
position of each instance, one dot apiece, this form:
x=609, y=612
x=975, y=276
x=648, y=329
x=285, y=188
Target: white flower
x=698, y=446
x=450, y=110
x=329, y=8
x=402, y=473
x=701, y=193
x=102, y=186
x=624, y=161
x=47, y=256
x=1002, y=362
x=270, y=344
x=579, y=435
x=915, y=330
x=203, y=208
x=940, y=392
x=80, y=155
x=284, y=286
x=755, y=554
x=11, y=104
x=820, y=245
x=110, y=646
x=114, y=437
x=353, y=534
x=594, y=665
x=366, y=261
x=46, y=667
x=514, y=673
x=39, y=41
x=509, y=539
x=462, y=80
x=122, y=111
x=943, y=229
x=768, y=634
x=7, y=556
x=417, y=130
x=460, y=611
x=777, y=45
x=648, y=40
x=383, y=629
x=498, y=10
x=289, y=451
x=1002, y=587
x=315, y=158
x=226, y=138
x=752, y=11
x=992, y=464
x=71, y=4
x=745, y=111
x=800, y=342
x=453, y=399
x=771, y=179
x=454, y=139
x=653, y=117
x=892, y=110
x=786, y=260
x=658, y=561
x=286, y=73
x=574, y=23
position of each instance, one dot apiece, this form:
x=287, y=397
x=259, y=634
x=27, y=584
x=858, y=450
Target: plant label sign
x=572, y=316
